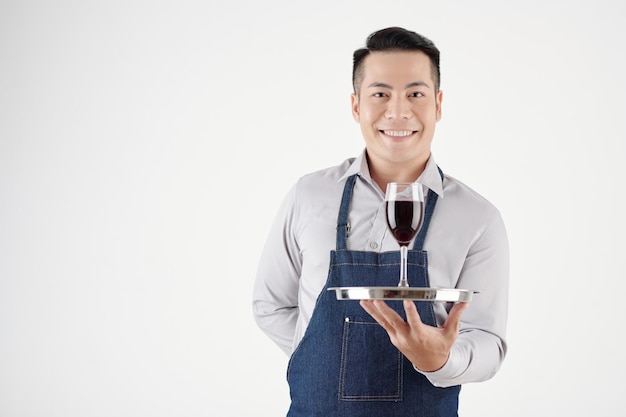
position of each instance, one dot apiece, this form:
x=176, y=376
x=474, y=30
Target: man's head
x=397, y=100
x=390, y=40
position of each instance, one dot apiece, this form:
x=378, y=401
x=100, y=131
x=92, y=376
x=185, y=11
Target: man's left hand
x=427, y=347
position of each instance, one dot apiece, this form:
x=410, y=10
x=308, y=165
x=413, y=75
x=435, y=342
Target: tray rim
x=404, y=293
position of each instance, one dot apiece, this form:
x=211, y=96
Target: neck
x=384, y=173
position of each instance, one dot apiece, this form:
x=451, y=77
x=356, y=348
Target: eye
x=379, y=95
x=416, y=94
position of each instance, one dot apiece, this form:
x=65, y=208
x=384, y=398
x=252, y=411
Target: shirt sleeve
x=481, y=347
x=275, y=293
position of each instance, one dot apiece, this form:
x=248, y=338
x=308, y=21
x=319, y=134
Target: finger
x=368, y=306
x=371, y=309
x=388, y=314
x=453, y=322
x=382, y=313
x=412, y=315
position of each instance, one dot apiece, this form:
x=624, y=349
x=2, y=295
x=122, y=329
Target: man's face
x=397, y=108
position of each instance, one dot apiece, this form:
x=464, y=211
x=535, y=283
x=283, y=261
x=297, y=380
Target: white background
x=145, y=147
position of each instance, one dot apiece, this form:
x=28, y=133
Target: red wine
x=404, y=219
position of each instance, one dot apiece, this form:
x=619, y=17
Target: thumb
x=453, y=322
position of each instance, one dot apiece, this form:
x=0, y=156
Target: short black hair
x=395, y=39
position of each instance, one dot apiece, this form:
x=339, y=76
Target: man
x=377, y=358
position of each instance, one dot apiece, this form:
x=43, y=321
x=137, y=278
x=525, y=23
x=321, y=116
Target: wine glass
x=405, y=215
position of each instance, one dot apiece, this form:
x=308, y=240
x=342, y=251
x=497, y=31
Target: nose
x=398, y=108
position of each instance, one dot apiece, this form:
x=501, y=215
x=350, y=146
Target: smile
x=398, y=133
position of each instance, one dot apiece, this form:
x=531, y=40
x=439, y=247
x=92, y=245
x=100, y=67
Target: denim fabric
x=345, y=365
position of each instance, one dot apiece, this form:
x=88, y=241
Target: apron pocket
x=371, y=367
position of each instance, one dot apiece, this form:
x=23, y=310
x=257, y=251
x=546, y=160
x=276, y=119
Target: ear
x=354, y=99
x=438, y=99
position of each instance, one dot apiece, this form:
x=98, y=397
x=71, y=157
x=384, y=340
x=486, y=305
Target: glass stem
x=404, y=252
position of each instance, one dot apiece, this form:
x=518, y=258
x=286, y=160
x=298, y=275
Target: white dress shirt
x=466, y=244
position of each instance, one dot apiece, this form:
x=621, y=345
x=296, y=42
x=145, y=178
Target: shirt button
x=373, y=245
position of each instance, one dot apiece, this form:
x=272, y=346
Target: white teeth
x=398, y=133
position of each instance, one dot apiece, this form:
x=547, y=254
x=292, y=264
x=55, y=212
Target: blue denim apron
x=345, y=365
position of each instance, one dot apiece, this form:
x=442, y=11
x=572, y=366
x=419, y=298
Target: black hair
x=395, y=39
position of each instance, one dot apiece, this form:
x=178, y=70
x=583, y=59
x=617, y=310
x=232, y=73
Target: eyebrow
x=409, y=85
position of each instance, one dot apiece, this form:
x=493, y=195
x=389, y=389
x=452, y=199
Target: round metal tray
x=403, y=293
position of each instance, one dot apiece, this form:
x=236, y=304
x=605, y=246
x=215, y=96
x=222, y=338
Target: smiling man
x=372, y=358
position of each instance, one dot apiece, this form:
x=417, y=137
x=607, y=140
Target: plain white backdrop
x=146, y=145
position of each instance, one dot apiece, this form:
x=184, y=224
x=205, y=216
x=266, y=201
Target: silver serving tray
x=403, y=293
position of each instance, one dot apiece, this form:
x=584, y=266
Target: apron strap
x=431, y=202
x=343, y=226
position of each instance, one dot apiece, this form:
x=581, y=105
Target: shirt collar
x=358, y=166
x=430, y=178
